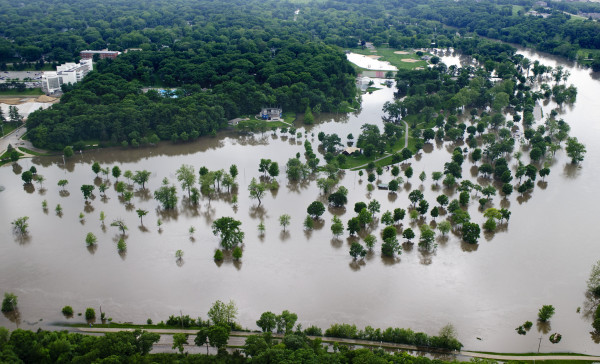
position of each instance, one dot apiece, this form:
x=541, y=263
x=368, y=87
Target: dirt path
x=237, y=338
x=386, y=154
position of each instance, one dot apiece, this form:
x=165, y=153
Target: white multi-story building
x=64, y=74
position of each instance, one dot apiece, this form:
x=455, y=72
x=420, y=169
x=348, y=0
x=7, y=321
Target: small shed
x=351, y=150
x=383, y=186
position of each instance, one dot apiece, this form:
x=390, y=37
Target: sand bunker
x=409, y=60
x=373, y=56
x=45, y=98
x=401, y=52
x=11, y=101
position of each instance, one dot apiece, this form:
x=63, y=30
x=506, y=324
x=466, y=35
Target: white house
x=64, y=74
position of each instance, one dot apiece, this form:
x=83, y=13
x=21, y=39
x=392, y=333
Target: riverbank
x=234, y=342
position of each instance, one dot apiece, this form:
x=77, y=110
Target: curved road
x=14, y=139
x=237, y=339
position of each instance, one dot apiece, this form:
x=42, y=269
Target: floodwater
x=543, y=256
x=370, y=62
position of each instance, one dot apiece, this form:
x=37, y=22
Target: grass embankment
x=8, y=127
x=5, y=158
x=330, y=340
x=253, y=124
x=395, y=59
x=33, y=152
x=26, y=93
x=114, y=325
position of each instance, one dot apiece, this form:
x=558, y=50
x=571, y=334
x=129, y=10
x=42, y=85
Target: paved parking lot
x=34, y=76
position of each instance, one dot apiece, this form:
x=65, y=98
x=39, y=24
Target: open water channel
x=543, y=256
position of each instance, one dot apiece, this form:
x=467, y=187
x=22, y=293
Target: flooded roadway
x=543, y=256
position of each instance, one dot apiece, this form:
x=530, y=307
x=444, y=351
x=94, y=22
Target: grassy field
x=46, y=67
x=353, y=163
x=387, y=54
x=27, y=93
x=7, y=127
x=586, y=52
x=516, y=8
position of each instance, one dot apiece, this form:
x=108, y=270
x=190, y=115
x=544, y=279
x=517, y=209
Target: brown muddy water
x=543, y=256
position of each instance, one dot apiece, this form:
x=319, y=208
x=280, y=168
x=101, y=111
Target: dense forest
x=56, y=31
x=228, y=59
x=558, y=33
x=218, y=82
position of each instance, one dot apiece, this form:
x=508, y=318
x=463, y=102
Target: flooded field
x=543, y=256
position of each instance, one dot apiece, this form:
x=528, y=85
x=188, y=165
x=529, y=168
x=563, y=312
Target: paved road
x=14, y=139
x=238, y=338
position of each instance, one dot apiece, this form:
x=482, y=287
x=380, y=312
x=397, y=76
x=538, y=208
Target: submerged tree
x=357, y=250
x=9, y=303
x=575, y=150
x=187, y=176
x=228, y=229
x=20, y=225
x=90, y=239
x=141, y=213
x=545, y=313
x=166, y=195
x=120, y=224
x=87, y=191
x=141, y=177
x=257, y=190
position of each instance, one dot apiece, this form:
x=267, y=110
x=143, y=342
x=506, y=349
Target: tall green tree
x=284, y=221
x=166, y=195
x=141, y=177
x=87, y=191
x=228, y=229
x=575, y=150
x=267, y=321
x=186, y=175
x=257, y=190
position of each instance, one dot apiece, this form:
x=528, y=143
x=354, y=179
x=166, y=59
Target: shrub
x=596, y=322
x=545, y=313
x=342, y=331
x=67, y=311
x=237, y=253
x=313, y=331
x=9, y=303
x=90, y=314
x=218, y=255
